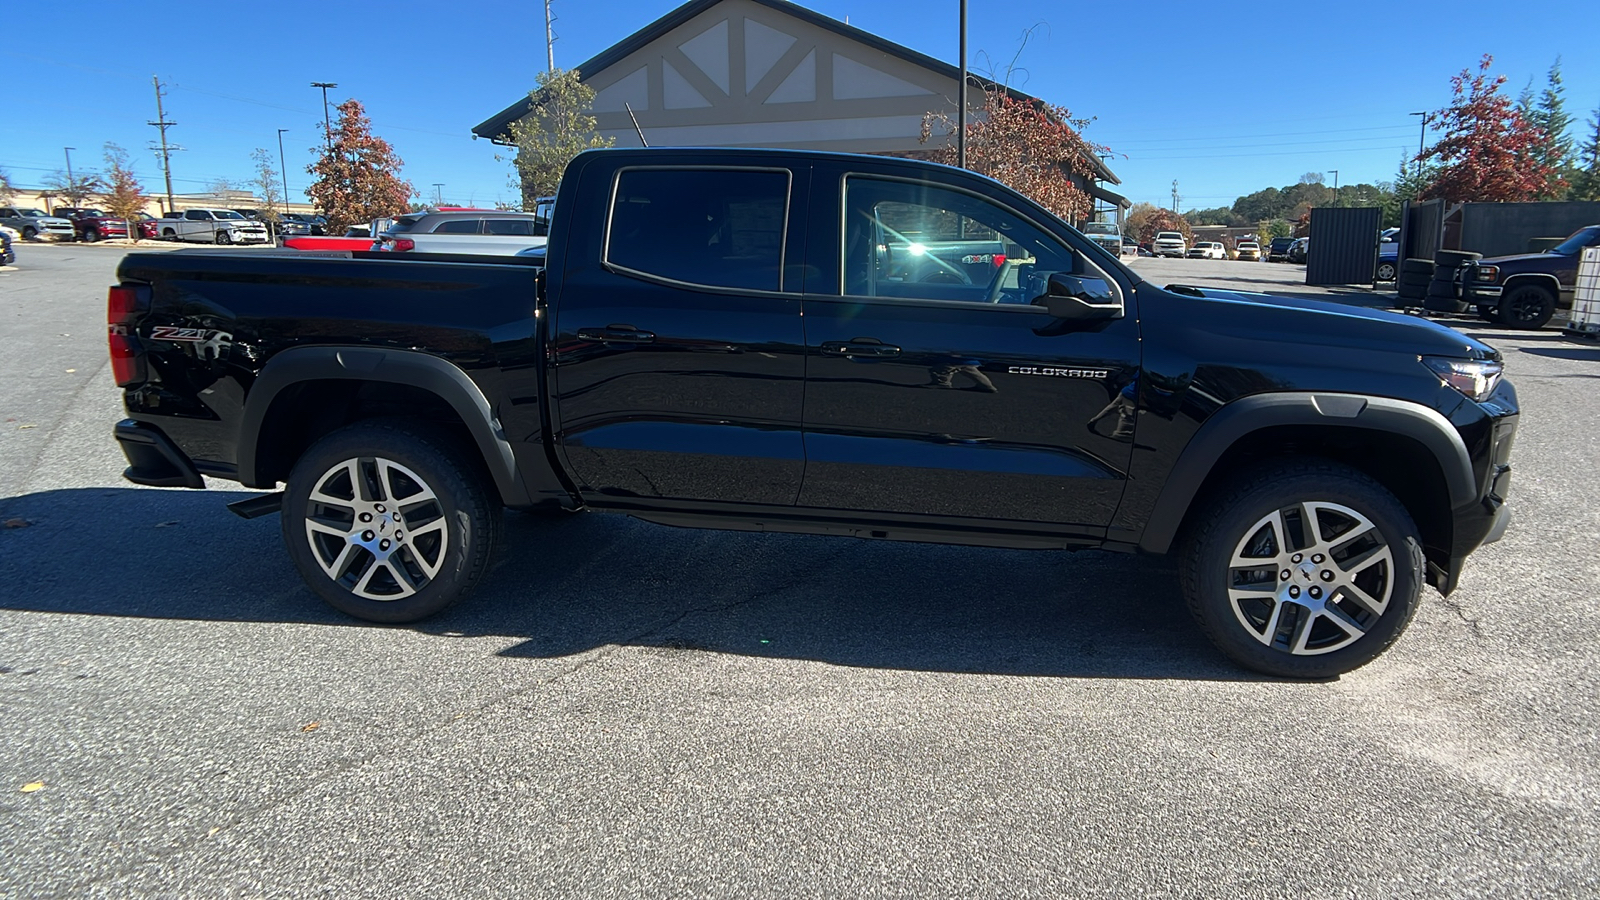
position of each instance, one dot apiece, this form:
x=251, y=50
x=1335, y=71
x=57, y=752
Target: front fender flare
x=407, y=367
x=1249, y=414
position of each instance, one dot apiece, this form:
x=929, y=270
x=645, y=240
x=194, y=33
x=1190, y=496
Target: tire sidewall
x=1206, y=570
x=1547, y=306
x=472, y=523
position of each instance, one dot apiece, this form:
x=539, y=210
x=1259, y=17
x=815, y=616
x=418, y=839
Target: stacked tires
x=1441, y=295
x=1412, y=284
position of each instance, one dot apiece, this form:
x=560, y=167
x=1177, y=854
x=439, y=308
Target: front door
x=679, y=362
x=935, y=386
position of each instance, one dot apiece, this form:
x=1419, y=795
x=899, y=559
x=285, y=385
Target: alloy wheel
x=376, y=528
x=1311, y=578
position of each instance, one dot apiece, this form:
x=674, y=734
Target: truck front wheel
x=1307, y=569
x=389, y=522
x=1527, y=306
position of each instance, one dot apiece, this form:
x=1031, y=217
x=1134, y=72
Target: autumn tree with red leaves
x=1490, y=152
x=1146, y=219
x=1028, y=145
x=358, y=179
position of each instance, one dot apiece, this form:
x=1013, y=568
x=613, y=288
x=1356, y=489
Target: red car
x=92, y=224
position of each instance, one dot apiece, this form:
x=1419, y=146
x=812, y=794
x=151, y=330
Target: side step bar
x=257, y=506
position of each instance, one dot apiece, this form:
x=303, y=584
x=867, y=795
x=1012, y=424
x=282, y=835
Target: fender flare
x=1544, y=279
x=407, y=367
x=1250, y=414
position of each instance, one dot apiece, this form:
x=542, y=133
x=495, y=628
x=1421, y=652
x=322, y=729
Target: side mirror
x=1076, y=297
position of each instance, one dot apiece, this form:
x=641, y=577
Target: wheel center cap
x=1306, y=573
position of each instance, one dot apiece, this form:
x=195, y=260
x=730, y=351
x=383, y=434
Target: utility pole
x=283, y=170
x=549, y=38
x=70, y=182
x=438, y=193
x=166, y=152
x=327, y=125
x=1422, y=135
x=1175, y=196
x=961, y=95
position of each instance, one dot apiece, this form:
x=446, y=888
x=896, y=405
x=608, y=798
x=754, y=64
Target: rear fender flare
x=1250, y=414
x=419, y=370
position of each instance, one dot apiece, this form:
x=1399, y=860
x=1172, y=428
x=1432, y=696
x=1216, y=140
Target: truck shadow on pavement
x=568, y=583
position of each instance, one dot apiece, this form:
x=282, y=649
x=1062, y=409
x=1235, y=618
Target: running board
x=257, y=506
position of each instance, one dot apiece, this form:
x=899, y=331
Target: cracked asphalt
x=630, y=710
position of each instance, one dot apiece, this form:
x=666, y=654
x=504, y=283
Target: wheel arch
x=364, y=382
x=1412, y=450
x=1540, y=279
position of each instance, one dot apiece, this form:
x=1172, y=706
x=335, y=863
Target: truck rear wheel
x=389, y=522
x=1308, y=569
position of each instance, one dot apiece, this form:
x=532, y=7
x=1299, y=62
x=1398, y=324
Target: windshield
x=1583, y=237
x=1100, y=228
x=1169, y=236
x=226, y=214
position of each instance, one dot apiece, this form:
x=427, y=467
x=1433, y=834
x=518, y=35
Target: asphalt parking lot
x=631, y=710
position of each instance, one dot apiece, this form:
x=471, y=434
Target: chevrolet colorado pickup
x=823, y=344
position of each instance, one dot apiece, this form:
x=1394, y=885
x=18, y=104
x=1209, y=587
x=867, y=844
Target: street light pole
x=283, y=170
x=961, y=95
x=327, y=125
x=1422, y=134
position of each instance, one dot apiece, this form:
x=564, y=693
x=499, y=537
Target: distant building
x=769, y=73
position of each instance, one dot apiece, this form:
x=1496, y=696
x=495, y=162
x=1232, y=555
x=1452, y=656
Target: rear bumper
x=153, y=459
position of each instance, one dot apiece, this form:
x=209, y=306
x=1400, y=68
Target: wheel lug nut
x=1284, y=575
x=399, y=535
x=1315, y=593
x=1298, y=557
x=1294, y=592
x=379, y=508
x=1327, y=574
x=366, y=535
x=366, y=517
x=384, y=545
x=1317, y=559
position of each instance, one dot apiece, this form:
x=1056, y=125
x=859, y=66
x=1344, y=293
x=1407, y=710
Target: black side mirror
x=1077, y=297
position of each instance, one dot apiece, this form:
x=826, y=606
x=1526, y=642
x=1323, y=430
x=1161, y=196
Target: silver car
x=33, y=224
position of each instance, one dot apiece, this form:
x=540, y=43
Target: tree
x=124, y=196
x=1032, y=146
x=1586, y=179
x=558, y=127
x=1220, y=215
x=1488, y=149
x=1267, y=229
x=75, y=189
x=358, y=179
x=1551, y=117
x=7, y=189
x=1157, y=219
x=268, y=185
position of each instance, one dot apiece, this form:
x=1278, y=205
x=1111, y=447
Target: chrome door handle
x=616, y=334
x=859, y=347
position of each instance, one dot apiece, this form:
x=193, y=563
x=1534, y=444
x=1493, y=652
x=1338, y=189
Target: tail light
x=124, y=305
x=401, y=244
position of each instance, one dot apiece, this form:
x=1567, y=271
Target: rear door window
x=458, y=226
x=508, y=226
x=721, y=228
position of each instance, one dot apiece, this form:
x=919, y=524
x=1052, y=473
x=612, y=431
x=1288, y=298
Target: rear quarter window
x=720, y=228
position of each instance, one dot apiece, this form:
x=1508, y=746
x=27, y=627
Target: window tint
x=719, y=228
x=194, y=215
x=508, y=226
x=918, y=242
x=458, y=226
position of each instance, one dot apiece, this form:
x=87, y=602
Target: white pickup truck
x=212, y=226
x=491, y=232
x=1169, y=243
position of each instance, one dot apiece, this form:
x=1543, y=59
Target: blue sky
x=1226, y=99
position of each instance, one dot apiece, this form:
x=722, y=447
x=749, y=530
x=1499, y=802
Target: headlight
x=1486, y=273
x=1474, y=378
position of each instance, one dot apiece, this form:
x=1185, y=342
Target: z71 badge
x=173, y=333
x=1059, y=373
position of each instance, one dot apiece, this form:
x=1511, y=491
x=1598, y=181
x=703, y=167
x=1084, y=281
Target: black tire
x=443, y=495
x=1455, y=259
x=92, y=236
x=1489, y=312
x=167, y=234
x=1378, y=540
x=222, y=237
x=1413, y=266
x=29, y=232
x=1527, y=306
x=1386, y=271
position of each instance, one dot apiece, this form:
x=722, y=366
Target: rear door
x=677, y=343
x=935, y=386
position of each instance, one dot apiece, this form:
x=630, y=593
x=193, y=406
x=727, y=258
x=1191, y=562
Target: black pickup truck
x=823, y=344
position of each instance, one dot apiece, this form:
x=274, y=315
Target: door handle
x=860, y=347
x=616, y=334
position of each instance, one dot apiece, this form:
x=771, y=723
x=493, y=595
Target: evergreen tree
x=1586, y=178
x=1555, y=151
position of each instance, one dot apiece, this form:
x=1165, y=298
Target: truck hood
x=1337, y=323
x=1521, y=260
